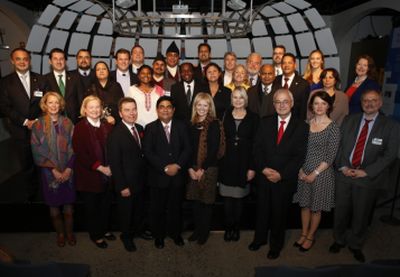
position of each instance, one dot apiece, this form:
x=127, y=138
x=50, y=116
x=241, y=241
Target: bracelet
x=316, y=172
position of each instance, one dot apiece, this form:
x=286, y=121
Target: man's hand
x=126, y=192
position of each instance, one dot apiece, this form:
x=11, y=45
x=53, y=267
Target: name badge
x=38, y=93
x=377, y=141
x=167, y=93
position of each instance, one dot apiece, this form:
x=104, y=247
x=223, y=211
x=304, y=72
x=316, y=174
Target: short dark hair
x=289, y=55
x=83, y=50
x=57, y=50
x=325, y=97
x=125, y=100
x=165, y=98
x=204, y=44
x=20, y=49
x=281, y=46
x=335, y=75
x=122, y=51
x=363, y=93
x=137, y=46
x=151, y=72
x=186, y=63
x=212, y=64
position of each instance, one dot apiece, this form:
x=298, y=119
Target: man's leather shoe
x=146, y=235
x=179, y=241
x=110, y=236
x=254, y=246
x=335, y=247
x=159, y=243
x=235, y=235
x=128, y=243
x=273, y=254
x=103, y=244
x=358, y=255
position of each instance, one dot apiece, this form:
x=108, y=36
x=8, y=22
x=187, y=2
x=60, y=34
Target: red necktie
x=135, y=135
x=359, y=149
x=286, y=85
x=280, y=132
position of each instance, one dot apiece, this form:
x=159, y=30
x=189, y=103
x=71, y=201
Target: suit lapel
x=288, y=132
x=20, y=87
x=162, y=132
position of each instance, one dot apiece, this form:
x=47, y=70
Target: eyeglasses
x=280, y=103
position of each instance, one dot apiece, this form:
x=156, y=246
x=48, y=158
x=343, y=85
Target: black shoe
x=109, y=236
x=335, y=247
x=235, y=235
x=302, y=249
x=358, y=255
x=103, y=244
x=159, y=243
x=273, y=254
x=146, y=235
x=228, y=235
x=179, y=241
x=254, y=246
x=128, y=244
x=193, y=237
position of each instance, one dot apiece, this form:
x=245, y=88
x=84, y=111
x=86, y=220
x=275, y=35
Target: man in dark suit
x=253, y=65
x=128, y=165
x=125, y=77
x=137, y=58
x=61, y=81
x=20, y=94
x=204, y=56
x=261, y=96
x=369, y=144
x=230, y=61
x=83, y=72
x=279, y=152
x=172, y=60
x=299, y=87
x=167, y=149
x=277, y=54
x=185, y=91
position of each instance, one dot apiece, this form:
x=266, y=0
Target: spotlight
x=125, y=4
x=236, y=5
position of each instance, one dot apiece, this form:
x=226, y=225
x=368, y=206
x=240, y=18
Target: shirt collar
x=93, y=123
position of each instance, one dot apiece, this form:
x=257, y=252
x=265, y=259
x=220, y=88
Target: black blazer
x=86, y=82
x=238, y=158
x=133, y=77
x=222, y=100
x=300, y=89
x=160, y=153
x=288, y=156
x=183, y=111
x=126, y=158
x=72, y=91
x=260, y=103
x=17, y=106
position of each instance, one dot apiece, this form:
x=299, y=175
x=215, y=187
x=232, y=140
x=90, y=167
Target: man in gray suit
x=369, y=144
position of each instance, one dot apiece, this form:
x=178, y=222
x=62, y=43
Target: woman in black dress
x=236, y=168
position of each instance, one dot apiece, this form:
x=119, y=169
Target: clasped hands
x=272, y=175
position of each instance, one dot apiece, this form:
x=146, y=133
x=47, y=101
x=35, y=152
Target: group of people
x=186, y=131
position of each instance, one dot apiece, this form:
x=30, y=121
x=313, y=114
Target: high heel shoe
x=302, y=249
x=298, y=244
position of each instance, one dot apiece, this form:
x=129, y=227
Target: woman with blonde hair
x=239, y=78
x=92, y=170
x=51, y=142
x=208, y=142
x=314, y=67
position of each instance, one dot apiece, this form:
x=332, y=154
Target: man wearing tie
x=260, y=97
x=279, y=151
x=128, y=165
x=277, y=55
x=61, y=81
x=253, y=65
x=369, y=144
x=84, y=73
x=296, y=85
x=167, y=149
x=204, y=56
x=20, y=94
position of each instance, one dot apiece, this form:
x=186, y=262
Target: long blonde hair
x=308, y=72
x=206, y=97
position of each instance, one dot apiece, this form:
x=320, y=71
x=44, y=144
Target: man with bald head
x=279, y=151
x=261, y=96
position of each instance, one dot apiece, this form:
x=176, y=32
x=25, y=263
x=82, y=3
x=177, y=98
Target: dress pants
x=273, y=203
x=165, y=211
x=97, y=208
x=131, y=213
x=353, y=203
x=202, y=215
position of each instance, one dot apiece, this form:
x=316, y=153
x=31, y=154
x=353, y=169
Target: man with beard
x=277, y=55
x=159, y=74
x=83, y=72
x=253, y=65
x=204, y=56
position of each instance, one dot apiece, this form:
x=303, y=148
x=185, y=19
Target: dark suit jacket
x=300, y=89
x=126, y=158
x=222, y=100
x=381, y=148
x=176, y=78
x=165, y=83
x=183, y=111
x=72, y=91
x=15, y=104
x=86, y=82
x=133, y=77
x=288, y=156
x=355, y=100
x=160, y=153
x=260, y=103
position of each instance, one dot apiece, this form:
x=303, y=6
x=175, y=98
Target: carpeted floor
x=216, y=258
